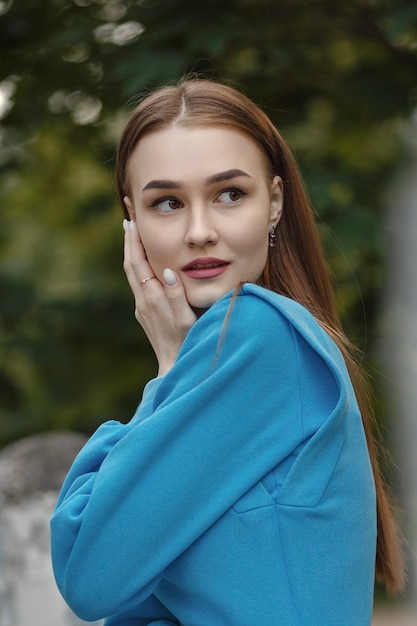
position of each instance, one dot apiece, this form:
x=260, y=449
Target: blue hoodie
x=240, y=493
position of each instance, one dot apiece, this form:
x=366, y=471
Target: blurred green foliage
x=338, y=78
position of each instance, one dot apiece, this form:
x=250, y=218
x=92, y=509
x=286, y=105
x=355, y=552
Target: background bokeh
x=338, y=78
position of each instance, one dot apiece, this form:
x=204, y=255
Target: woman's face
x=204, y=207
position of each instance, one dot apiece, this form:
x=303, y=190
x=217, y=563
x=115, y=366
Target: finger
x=135, y=264
x=136, y=250
x=183, y=315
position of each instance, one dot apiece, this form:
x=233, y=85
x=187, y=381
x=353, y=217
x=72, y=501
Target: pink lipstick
x=209, y=267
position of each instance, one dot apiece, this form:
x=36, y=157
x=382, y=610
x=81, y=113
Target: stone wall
x=31, y=474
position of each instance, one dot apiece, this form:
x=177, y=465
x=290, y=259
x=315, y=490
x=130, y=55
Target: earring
x=272, y=237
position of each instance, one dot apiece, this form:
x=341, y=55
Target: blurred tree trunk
x=400, y=346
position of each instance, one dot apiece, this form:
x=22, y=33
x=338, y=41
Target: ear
x=130, y=208
x=277, y=200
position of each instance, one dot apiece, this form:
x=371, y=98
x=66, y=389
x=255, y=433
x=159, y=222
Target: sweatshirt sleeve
x=150, y=613
x=139, y=494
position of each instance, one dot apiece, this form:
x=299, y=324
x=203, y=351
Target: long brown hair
x=296, y=267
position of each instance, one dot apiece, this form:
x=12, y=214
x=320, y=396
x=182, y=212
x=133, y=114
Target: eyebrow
x=216, y=178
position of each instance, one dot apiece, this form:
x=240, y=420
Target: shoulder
x=260, y=319
x=249, y=325
x=241, y=340
x=258, y=309
x=251, y=316
x=304, y=325
x=264, y=301
x=239, y=330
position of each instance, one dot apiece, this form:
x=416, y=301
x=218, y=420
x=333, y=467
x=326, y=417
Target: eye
x=231, y=196
x=167, y=204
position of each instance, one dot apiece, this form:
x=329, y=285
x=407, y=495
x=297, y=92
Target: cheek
x=157, y=250
x=253, y=240
x=253, y=250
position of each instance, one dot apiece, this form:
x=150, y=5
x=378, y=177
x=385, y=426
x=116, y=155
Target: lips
x=205, y=268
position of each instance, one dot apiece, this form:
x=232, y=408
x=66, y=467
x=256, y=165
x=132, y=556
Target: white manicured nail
x=169, y=277
x=125, y=225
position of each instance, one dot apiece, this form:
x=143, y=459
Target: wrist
x=166, y=363
x=163, y=369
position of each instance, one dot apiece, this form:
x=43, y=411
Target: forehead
x=180, y=152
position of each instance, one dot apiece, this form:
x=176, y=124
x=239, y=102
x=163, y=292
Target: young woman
x=245, y=490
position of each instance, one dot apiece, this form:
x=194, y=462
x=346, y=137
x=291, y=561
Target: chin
x=200, y=305
x=206, y=297
x=204, y=303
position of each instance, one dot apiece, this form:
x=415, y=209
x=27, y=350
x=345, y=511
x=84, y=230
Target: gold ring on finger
x=145, y=280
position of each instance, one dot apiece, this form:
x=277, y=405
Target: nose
x=201, y=228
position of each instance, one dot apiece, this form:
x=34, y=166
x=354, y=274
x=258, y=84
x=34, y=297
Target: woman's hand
x=160, y=308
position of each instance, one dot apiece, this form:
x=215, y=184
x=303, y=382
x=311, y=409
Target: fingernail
x=125, y=225
x=132, y=225
x=169, y=277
